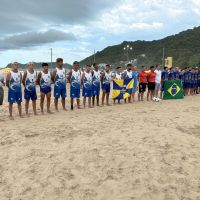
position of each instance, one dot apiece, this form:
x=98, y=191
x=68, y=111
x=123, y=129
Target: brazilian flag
x=173, y=90
x=120, y=90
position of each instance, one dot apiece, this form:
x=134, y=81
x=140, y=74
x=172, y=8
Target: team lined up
x=91, y=81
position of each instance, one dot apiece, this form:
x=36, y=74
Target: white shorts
x=158, y=87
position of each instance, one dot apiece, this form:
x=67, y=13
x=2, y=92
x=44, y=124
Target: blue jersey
x=60, y=78
x=135, y=78
x=15, y=82
x=171, y=75
x=192, y=77
x=176, y=74
x=75, y=80
x=182, y=76
x=30, y=82
x=165, y=76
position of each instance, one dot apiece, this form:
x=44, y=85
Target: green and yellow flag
x=173, y=90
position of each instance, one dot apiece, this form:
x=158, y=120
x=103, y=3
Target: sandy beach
x=139, y=151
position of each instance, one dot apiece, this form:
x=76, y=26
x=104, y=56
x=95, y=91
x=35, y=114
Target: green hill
x=183, y=47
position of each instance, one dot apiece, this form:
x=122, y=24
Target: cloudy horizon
x=29, y=29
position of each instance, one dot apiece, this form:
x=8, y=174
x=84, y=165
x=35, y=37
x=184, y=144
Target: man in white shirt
x=158, y=80
x=2, y=83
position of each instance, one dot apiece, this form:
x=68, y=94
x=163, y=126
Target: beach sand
x=138, y=151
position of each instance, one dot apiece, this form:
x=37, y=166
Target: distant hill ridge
x=183, y=47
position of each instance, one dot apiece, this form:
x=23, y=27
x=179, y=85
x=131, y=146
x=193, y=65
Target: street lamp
x=128, y=48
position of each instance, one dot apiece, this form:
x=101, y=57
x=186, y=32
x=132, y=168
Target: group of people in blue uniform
x=91, y=81
x=189, y=76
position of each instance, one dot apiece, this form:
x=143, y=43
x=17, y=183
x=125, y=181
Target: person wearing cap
x=2, y=83
x=117, y=76
x=96, y=74
x=44, y=80
x=127, y=76
x=59, y=79
x=13, y=82
x=105, y=82
x=87, y=85
x=29, y=82
x=74, y=79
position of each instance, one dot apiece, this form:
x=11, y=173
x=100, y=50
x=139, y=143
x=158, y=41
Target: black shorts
x=151, y=86
x=142, y=87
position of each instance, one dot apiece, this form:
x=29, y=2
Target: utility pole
x=94, y=56
x=163, y=58
x=51, y=57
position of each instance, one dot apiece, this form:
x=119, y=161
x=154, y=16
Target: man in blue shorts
x=29, y=82
x=87, y=85
x=59, y=80
x=44, y=80
x=96, y=74
x=74, y=79
x=105, y=82
x=13, y=82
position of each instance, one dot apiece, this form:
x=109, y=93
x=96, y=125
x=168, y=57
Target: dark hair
x=45, y=64
x=107, y=65
x=76, y=62
x=151, y=67
x=143, y=66
x=157, y=65
x=165, y=68
x=59, y=60
x=88, y=65
x=95, y=64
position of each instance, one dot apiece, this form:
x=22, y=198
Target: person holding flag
x=13, y=82
x=105, y=82
x=117, y=76
x=87, y=85
x=128, y=77
x=164, y=78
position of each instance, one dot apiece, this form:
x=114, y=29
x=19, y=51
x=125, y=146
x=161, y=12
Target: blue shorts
x=45, y=90
x=87, y=93
x=106, y=88
x=30, y=95
x=192, y=85
x=135, y=89
x=163, y=86
x=199, y=83
x=96, y=90
x=14, y=97
x=58, y=92
x=75, y=93
x=187, y=85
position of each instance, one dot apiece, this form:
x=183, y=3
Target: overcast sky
x=74, y=28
